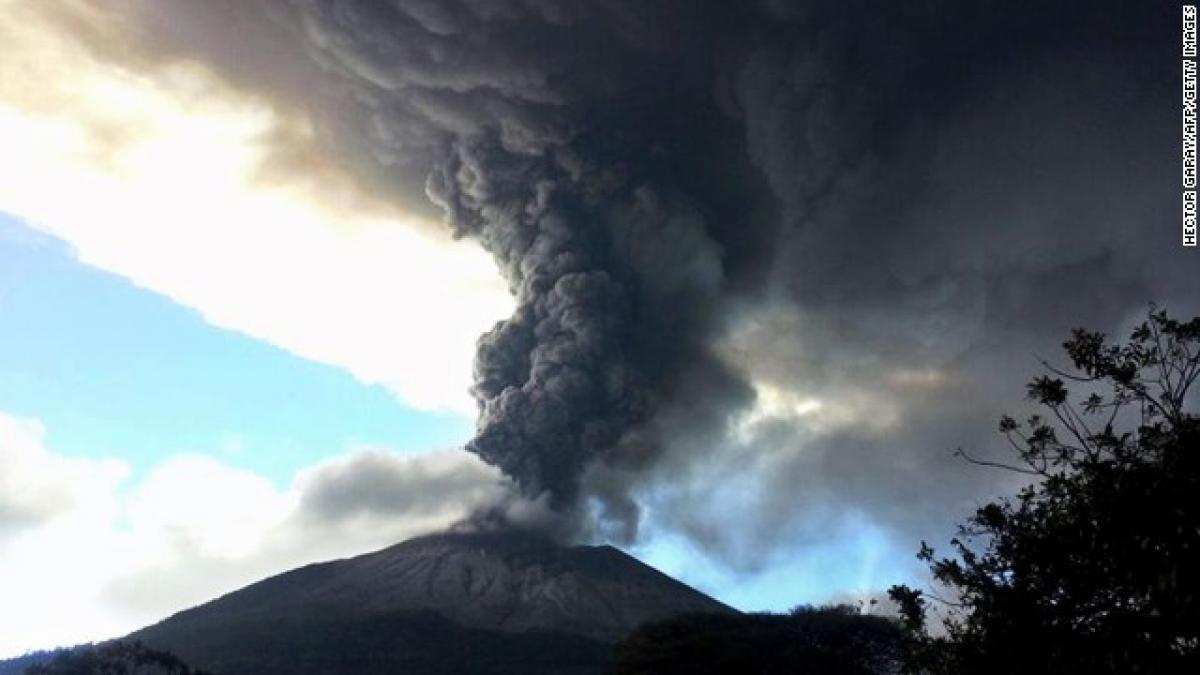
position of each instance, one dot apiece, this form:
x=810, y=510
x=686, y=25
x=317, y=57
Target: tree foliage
x=831, y=640
x=1093, y=567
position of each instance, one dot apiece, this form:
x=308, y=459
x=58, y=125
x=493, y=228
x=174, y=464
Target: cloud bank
x=85, y=555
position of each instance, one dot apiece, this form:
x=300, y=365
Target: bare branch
x=998, y=465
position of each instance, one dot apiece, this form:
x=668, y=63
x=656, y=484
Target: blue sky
x=115, y=370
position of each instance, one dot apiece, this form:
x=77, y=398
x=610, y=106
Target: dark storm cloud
x=874, y=212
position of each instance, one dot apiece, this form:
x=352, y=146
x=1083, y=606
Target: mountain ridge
x=504, y=602
x=508, y=582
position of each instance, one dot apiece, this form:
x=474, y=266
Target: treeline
x=18, y=665
x=835, y=639
x=111, y=658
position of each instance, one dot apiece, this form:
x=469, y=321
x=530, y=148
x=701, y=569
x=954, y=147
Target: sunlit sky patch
x=115, y=370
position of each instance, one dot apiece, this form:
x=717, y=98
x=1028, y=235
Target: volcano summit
x=451, y=602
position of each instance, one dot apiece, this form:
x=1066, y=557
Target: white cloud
x=37, y=487
x=51, y=560
x=84, y=556
x=189, y=188
x=201, y=505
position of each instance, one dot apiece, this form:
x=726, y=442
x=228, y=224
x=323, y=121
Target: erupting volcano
x=451, y=602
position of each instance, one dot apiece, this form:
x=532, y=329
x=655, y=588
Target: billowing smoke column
x=614, y=290
x=633, y=167
x=558, y=382
x=561, y=137
x=873, y=212
x=611, y=283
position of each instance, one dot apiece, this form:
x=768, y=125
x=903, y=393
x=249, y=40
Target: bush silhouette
x=1093, y=567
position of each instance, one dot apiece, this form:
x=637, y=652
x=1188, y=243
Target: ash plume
x=772, y=261
x=619, y=242
x=635, y=168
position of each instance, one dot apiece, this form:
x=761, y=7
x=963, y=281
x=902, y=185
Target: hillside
x=462, y=603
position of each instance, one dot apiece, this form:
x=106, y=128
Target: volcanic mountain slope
x=462, y=603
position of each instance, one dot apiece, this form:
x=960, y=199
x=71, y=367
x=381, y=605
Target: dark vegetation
x=113, y=658
x=17, y=665
x=411, y=643
x=414, y=643
x=1093, y=567
x=828, y=641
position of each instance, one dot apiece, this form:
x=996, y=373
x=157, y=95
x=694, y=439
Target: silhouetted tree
x=833, y=640
x=1093, y=567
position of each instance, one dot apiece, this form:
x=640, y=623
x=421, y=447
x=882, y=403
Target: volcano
x=444, y=603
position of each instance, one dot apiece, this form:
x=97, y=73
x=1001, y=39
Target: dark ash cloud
x=544, y=150
x=804, y=248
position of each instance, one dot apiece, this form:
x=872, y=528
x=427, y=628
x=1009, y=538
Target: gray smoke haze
x=772, y=261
